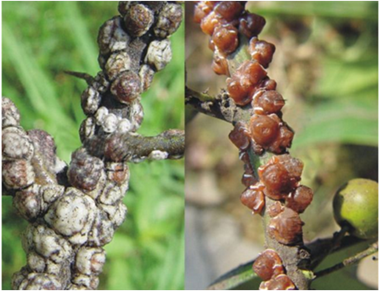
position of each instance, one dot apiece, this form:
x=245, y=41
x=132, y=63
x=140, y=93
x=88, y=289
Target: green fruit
x=356, y=206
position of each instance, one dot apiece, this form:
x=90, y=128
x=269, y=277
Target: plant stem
x=349, y=261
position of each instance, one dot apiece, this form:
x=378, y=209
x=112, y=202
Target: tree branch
x=220, y=106
x=349, y=261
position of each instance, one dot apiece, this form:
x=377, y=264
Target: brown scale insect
x=267, y=102
x=138, y=19
x=261, y=51
x=229, y=10
x=126, y=87
x=241, y=86
x=280, y=176
x=220, y=65
x=210, y=22
x=280, y=282
x=300, y=199
x=286, y=227
x=251, y=24
x=268, y=265
x=225, y=38
x=270, y=133
x=240, y=136
x=253, y=198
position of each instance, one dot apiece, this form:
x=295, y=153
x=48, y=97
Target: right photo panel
x=281, y=145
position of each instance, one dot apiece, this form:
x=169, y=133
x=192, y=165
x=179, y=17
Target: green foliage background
x=39, y=41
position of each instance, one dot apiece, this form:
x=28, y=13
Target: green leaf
x=348, y=121
x=237, y=277
x=336, y=9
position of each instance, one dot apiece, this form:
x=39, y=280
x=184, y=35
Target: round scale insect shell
x=146, y=75
x=280, y=282
x=112, y=37
x=239, y=93
x=45, y=242
x=18, y=277
x=90, y=260
x=124, y=126
x=286, y=227
x=267, y=102
x=36, y=262
x=18, y=174
x=261, y=51
x=283, y=141
x=275, y=209
x=90, y=282
x=94, y=194
x=117, y=172
x=10, y=116
x=123, y=7
x=268, y=265
x=111, y=194
x=251, y=24
x=62, y=270
x=264, y=130
x=113, y=151
x=100, y=114
x=28, y=202
x=159, y=54
x=300, y=199
x=254, y=199
x=219, y=64
x=239, y=136
x=87, y=129
x=121, y=211
x=41, y=281
x=44, y=145
x=85, y=171
x=225, y=38
x=248, y=179
x=277, y=181
x=264, y=286
x=169, y=19
x=126, y=87
x=138, y=19
x=110, y=123
x=117, y=63
x=91, y=99
x=229, y=10
x=102, y=230
x=72, y=214
x=254, y=71
x=51, y=192
x=16, y=144
x=294, y=166
x=201, y=10
x=136, y=114
x=210, y=22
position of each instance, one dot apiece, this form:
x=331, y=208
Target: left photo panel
x=92, y=145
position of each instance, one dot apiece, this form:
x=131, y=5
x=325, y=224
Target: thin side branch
x=349, y=261
x=220, y=106
x=133, y=147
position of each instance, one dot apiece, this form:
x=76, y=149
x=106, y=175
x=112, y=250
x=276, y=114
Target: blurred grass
x=39, y=41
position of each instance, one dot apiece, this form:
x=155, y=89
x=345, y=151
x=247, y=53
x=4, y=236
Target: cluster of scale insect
x=268, y=266
x=249, y=86
x=74, y=210
x=228, y=23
